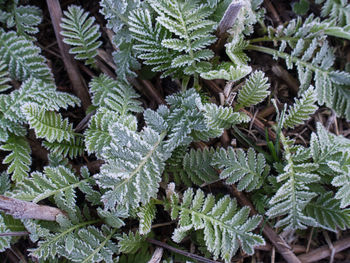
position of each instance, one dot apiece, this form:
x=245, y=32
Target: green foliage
x=4, y=77
x=228, y=71
x=137, y=152
x=116, y=14
x=197, y=168
x=8, y=224
x=301, y=110
x=149, y=40
x=234, y=70
x=326, y=210
x=48, y=124
x=294, y=194
x=4, y=241
x=192, y=32
x=183, y=119
x=301, y=7
x=341, y=180
x=336, y=9
x=79, y=31
x=90, y=244
x=114, y=95
x=57, y=182
x=36, y=92
x=225, y=227
x=130, y=243
x=254, y=91
x=22, y=58
x=313, y=58
x=146, y=213
x=133, y=168
x=219, y=118
x=249, y=169
x=25, y=18
x=72, y=148
x=78, y=241
x=19, y=158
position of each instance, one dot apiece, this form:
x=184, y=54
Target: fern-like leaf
x=4, y=77
x=225, y=227
x=48, y=124
x=134, y=164
x=8, y=224
x=56, y=242
x=342, y=179
x=196, y=166
x=302, y=109
x=19, y=158
x=25, y=18
x=73, y=147
x=146, y=215
x=228, y=71
x=97, y=135
x=5, y=242
x=326, y=147
x=57, y=182
x=249, y=169
x=149, y=42
x=192, y=29
x=23, y=58
x=114, y=95
x=184, y=118
x=130, y=243
x=292, y=197
x=219, y=118
x=116, y=13
x=36, y=92
x=79, y=31
x=91, y=245
x=336, y=9
x=254, y=91
x=313, y=58
x=326, y=210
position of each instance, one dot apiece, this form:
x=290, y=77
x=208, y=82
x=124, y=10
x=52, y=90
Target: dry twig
x=28, y=210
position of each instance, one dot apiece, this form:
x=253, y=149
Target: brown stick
x=179, y=251
x=324, y=251
x=28, y=210
x=282, y=247
x=78, y=84
x=271, y=9
x=226, y=23
x=14, y=234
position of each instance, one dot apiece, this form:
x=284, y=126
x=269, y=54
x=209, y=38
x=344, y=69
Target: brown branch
x=78, y=84
x=14, y=234
x=179, y=251
x=226, y=23
x=324, y=251
x=28, y=210
x=271, y=9
x=282, y=247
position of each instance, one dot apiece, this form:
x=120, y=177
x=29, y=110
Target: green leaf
x=19, y=158
x=254, y=91
x=79, y=31
x=249, y=169
x=48, y=124
x=301, y=7
x=130, y=243
x=225, y=227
